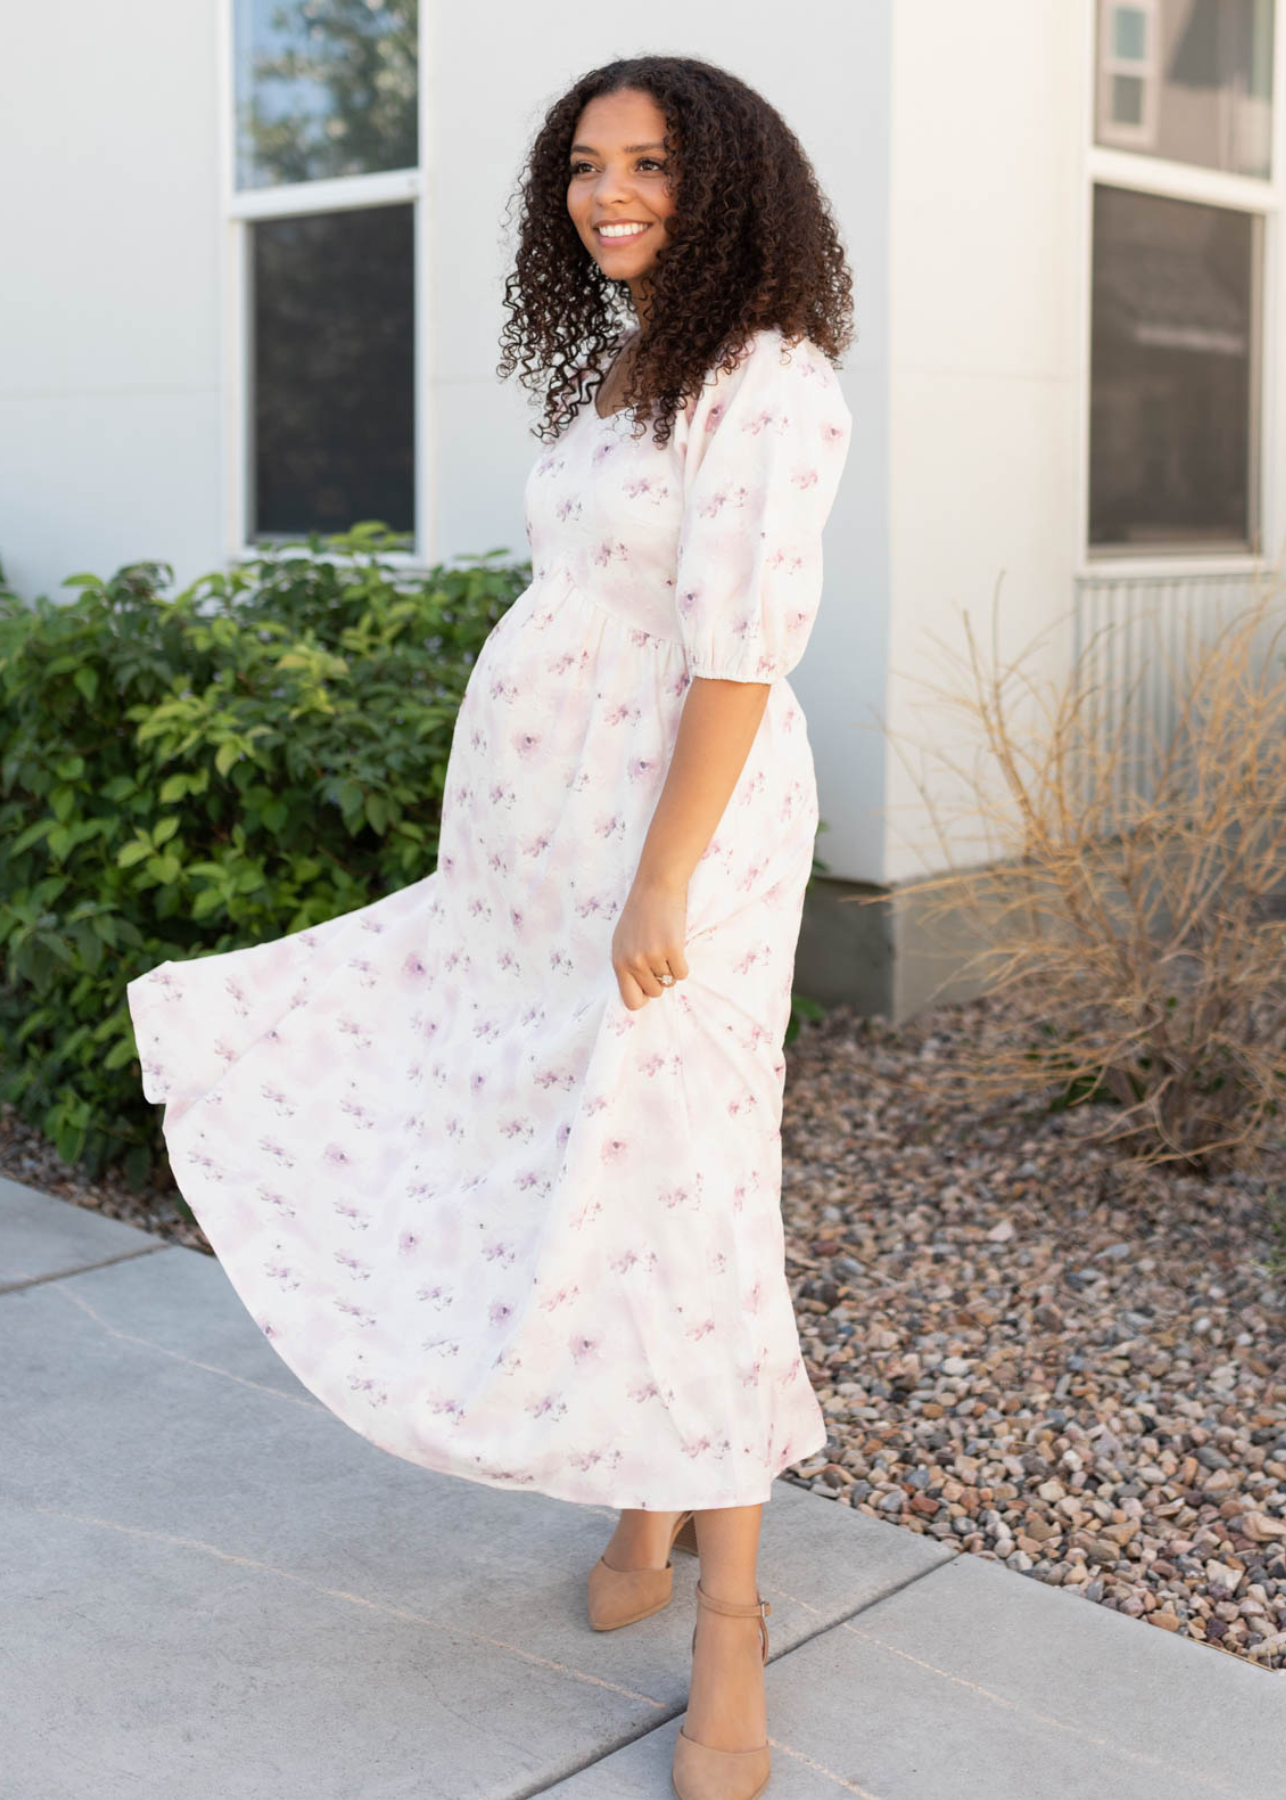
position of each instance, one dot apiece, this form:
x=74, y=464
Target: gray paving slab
x=220, y=1589
x=42, y=1238
x=982, y=1684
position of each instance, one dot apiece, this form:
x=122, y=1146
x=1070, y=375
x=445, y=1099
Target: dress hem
x=554, y=1490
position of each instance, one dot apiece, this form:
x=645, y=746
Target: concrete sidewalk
x=212, y=1588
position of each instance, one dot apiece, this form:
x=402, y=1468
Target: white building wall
x=109, y=306
x=987, y=280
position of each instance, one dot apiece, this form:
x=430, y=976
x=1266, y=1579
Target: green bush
x=259, y=753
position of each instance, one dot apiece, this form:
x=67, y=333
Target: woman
x=495, y=1160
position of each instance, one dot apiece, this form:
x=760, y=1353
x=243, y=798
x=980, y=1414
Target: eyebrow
x=630, y=149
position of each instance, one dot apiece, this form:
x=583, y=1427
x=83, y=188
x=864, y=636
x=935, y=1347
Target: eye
x=576, y=167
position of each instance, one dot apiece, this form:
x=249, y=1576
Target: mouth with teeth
x=623, y=231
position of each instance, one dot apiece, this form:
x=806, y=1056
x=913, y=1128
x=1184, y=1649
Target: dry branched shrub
x=1130, y=902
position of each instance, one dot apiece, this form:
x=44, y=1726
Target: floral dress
x=499, y=1223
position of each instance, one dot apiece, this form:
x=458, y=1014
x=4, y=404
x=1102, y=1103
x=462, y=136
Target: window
x=323, y=201
x=1127, y=90
x=1184, y=90
x=1174, y=364
x=1189, y=80
x=333, y=374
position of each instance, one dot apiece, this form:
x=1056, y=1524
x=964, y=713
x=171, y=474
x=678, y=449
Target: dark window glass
x=333, y=372
x=324, y=88
x=1173, y=368
x=1189, y=80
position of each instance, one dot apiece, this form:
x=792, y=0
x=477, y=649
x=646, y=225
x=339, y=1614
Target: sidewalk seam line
x=18, y=1287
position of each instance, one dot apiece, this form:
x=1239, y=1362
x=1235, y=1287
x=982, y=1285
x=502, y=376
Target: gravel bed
x=1023, y=1347
x=1031, y=1351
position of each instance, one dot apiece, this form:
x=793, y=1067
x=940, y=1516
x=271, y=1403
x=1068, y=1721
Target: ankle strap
x=739, y=1609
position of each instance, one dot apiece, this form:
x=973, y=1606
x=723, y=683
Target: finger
x=631, y=993
x=643, y=974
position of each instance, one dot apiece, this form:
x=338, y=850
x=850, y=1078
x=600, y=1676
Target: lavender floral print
x=498, y=1223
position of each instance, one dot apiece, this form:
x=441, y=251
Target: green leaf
x=34, y=1022
x=58, y=946
x=32, y=835
x=90, y=947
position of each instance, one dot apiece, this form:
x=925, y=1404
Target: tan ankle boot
x=701, y=1772
x=619, y=1597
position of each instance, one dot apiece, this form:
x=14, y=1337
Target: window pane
x=1127, y=100
x=1171, y=369
x=1205, y=68
x=324, y=88
x=1131, y=32
x=333, y=372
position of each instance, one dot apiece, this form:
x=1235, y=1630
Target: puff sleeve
x=767, y=445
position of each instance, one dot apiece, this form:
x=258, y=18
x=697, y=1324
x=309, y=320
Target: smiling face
x=617, y=176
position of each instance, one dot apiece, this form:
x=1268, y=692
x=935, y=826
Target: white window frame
x=1148, y=174
x=240, y=209
x=1143, y=135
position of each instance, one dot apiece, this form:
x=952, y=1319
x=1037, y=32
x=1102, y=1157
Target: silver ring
x=666, y=980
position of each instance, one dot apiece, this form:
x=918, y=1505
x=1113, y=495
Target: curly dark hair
x=751, y=243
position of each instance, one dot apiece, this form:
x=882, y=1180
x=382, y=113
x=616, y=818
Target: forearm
x=716, y=729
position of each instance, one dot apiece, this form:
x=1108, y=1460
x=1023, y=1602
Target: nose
x=612, y=186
